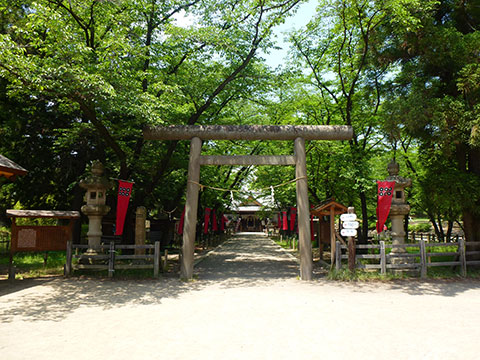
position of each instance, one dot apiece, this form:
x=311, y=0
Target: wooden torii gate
x=197, y=133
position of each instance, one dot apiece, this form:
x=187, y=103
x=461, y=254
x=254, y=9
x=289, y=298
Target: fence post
x=463, y=260
x=156, y=259
x=68, y=265
x=111, y=259
x=351, y=253
x=383, y=258
x=423, y=259
x=165, y=260
x=338, y=256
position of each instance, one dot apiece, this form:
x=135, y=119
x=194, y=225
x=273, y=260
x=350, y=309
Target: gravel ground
x=247, y=303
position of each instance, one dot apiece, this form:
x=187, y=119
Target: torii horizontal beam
x=247, y=160
x=249, y=132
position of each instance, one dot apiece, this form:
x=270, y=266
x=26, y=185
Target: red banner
x=180, y=224
x=123, y=198
x=214, y=221
x=293, y=215
x=384, y=202
x=222, y=223
x=207, y=220
x=285, y=220
x=279, y=221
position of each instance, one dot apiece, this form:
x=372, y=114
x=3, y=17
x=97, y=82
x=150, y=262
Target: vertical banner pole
x=191, y=207
x=303, y=210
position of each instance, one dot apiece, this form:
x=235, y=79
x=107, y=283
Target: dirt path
x=246, y=304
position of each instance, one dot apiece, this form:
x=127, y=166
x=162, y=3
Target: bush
x=422, y=227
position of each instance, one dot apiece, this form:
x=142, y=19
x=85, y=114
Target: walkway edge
x=289, y=254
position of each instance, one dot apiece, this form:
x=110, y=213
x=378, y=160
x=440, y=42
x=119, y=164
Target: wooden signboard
x=41, y=238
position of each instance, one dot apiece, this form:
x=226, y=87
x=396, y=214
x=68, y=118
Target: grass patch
x=360, y=275
x=31, y=265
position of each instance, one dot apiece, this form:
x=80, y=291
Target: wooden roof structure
x=327, y=207
x=9, y=169
x=57, y=214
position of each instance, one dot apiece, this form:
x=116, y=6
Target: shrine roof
x=326, y=206
x=10, y=169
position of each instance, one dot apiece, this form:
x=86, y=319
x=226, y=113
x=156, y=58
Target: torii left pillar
x=191, y=207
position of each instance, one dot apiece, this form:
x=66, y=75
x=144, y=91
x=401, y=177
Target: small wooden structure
x=247, y=211
x=326, y=227
x=9, y=169
x=41, y=238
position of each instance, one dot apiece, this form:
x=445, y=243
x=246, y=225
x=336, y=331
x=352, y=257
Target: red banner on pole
x=222, y=223
x=214, y=221
x=180, y=224
x=285, y=220
x=293, y=215
x=384, y=202
x=123, y=198
x=207, y=220
x=279, y=221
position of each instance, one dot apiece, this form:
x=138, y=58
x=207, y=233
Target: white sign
x=348, y=217
x=348, y=232
x=351, y=224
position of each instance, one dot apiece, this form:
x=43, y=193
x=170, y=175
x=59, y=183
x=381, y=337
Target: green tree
x=435, y=98
x=109, y=68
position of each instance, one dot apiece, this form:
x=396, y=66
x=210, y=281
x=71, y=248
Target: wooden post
x=305, y=244
x=111, y=259
x=69, y=254
x=140, y=228
x=165, y=260
x=156, y=259
x=11, y=268
x=423, y=259
x=332, y=236
x=463, y=260
x=383, y=258
x=338, y=256
x=191, y=207
x=351, y=246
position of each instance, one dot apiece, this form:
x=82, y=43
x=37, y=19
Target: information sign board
x=348, y=217
x=348, y=232
x=351, y=225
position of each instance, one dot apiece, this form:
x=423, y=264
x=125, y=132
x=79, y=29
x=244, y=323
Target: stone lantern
x=96, y=186
x=399, y=208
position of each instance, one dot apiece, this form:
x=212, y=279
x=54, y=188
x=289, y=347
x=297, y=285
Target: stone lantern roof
x=400, y=182
x=96, y=179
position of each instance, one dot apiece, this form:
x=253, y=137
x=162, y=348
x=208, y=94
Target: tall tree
x=436, y=99
x=116, y=66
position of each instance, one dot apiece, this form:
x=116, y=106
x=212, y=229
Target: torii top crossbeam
x=249, y=132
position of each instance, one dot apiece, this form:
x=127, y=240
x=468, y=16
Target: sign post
x=349, y=229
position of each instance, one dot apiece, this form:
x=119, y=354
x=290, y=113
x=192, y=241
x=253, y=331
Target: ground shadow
x=414, y=286
x=240, y=262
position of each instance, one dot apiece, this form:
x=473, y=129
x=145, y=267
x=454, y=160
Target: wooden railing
x=420, y=260
x=110, y=258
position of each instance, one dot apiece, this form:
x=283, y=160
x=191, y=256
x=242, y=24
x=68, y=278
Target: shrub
x=422, y=227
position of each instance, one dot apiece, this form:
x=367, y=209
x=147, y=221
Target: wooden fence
x=420, y=260
x=110, y=258
x=431, y=237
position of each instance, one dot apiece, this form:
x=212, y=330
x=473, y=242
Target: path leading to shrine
x=247, y=303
